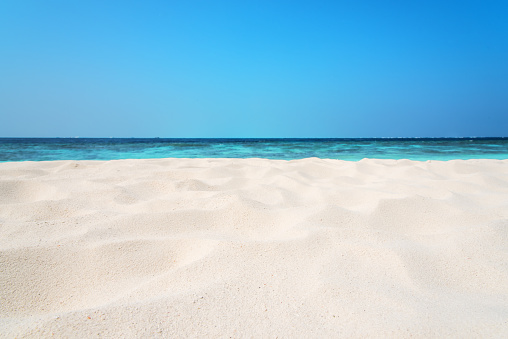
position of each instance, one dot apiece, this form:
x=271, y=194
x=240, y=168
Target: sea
x=352, y=149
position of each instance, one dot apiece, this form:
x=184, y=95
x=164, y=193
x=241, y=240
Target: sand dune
x=254, y=248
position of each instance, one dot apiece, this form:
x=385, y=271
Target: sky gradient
x=253, y=68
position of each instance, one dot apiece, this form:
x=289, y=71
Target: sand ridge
x=254, y=247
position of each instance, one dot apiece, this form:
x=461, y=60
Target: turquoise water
x=39, y=149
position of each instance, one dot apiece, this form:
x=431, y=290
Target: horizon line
x=262, y=138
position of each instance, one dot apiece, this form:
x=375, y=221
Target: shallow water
x=39, y=149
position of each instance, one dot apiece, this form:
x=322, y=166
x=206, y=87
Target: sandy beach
x=254, y=248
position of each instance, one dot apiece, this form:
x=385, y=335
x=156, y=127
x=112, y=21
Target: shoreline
x=252, y=158
x=254, y=247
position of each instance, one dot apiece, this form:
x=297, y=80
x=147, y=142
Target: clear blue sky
x=253, y=68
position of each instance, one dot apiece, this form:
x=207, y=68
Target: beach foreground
x=254, y=247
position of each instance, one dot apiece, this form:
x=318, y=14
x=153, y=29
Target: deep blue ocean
x=42, y=149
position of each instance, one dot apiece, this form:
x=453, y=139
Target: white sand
x=254, y=248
